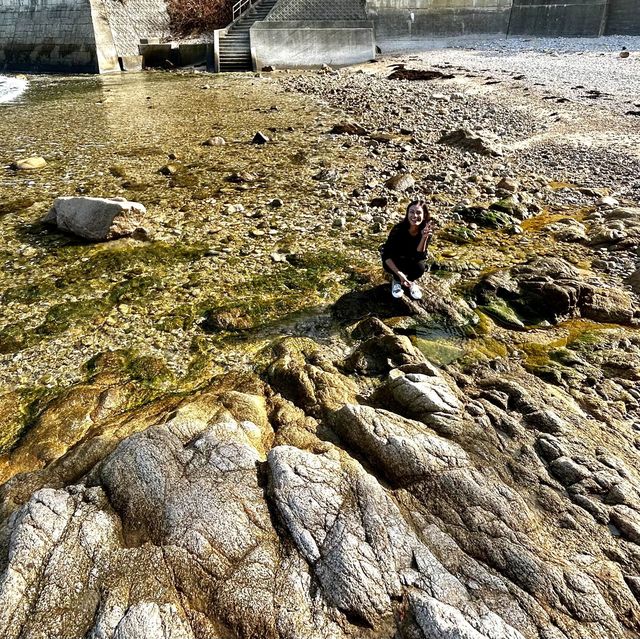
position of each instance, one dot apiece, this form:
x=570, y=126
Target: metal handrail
x=241, y=6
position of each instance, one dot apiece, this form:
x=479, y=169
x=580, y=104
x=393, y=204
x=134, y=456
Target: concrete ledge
x=296, y=44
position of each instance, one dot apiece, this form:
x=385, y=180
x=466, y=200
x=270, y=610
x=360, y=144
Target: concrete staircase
x=235, y=46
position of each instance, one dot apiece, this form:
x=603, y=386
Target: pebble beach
x=563, y=111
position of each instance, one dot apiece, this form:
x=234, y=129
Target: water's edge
x=11, y=88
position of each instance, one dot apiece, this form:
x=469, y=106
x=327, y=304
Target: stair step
x=235, y=53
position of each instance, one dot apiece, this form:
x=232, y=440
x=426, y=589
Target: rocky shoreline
x=242, y=435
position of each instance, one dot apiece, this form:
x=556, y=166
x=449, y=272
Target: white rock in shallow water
x=95, y=218
x=29, y=164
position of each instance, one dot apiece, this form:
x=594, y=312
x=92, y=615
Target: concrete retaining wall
x=624, y=17
x=47, y=35
x=310, y=44
x=86, y=36
x=432, y=18
x=417, y=18
x=550, y=18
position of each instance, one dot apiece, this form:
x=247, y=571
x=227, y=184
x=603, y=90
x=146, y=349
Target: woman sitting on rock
x=405, y=251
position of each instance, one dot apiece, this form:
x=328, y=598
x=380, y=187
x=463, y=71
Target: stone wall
x=135, y=19
x=46, y=35
x=318, y=10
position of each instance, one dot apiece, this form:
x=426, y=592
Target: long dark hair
x=427, y=214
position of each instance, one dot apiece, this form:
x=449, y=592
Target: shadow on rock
x=438, y=300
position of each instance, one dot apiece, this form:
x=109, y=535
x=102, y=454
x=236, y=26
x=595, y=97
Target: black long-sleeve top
x=401, y=244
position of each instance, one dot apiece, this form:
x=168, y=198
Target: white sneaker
x=415, y=292
x=396, y=289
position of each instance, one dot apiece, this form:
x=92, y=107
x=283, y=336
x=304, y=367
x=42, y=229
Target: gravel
x=558, y=64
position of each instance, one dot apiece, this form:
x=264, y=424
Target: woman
x=405, y=251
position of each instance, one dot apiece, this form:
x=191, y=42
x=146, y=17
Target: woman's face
x=415, y=215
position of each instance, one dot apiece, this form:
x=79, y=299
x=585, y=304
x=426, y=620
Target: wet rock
x=349, y=128
x=568, y=230
x=169, y=169
x=379, y=202
x=242, y=177
x=307, y=378
x=551, y=289
x=378, y=355
x=401, y=73
x=97, y=219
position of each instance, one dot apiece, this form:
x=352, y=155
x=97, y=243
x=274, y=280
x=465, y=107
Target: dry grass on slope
x=197, y=16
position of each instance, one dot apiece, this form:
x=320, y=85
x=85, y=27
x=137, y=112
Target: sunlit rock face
x=433, y=504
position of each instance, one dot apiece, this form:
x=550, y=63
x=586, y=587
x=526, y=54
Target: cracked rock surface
x=411, y=502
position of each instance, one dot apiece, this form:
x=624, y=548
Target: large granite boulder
x=462, y=503
x=98, y=219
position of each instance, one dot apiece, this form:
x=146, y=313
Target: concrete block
x=130, y=63
x=311, y=44
x=159, y=55
x=191, y=54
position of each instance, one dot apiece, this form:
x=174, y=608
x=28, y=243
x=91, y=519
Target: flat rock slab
x=95, y=218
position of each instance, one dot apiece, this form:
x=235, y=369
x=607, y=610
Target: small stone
x=607, y=202
x=29, y=164
x=276, y=203
x=260, y=138
x=268, y=69
x=349, y=128
x=215, y=141
x=97, y=219
x=440, y=97
x=400, y=182
x=339, y=222
x=169, y=169
x=379, y=202
x=508, y=184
